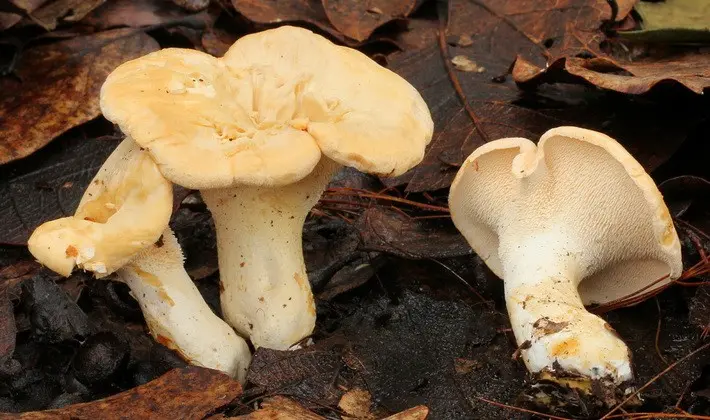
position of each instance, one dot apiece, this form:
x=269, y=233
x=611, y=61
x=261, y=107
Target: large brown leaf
x=58, y=87
x=188, y=393
x=473, y=107
x=358, y=19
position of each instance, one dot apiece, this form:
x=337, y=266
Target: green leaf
x=672, y=22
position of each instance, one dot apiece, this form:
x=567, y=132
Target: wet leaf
x=386, y=230
x=48, y=185
x=358, y=19
x=188, y=393
x=58, y=87
x=281, y=408
x=494, y=107
x=7, y=328
x=675, y=21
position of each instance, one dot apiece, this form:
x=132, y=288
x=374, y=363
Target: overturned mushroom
x=260, y=132
x=121, y=226
x=572, y=221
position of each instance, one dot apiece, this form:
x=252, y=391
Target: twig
x=522, y=410
x=658, y=333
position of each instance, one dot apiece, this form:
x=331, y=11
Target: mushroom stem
x=265, y=291
x=558, y=338
x=177, y=315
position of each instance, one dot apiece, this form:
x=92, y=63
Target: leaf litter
x=411, y=324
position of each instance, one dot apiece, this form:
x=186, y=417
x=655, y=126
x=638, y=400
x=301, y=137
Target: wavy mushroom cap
x=121, y=213
x=582, y=189
x=264, y=113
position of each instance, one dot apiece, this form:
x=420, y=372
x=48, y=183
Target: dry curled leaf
x=358, y=19
x=357, y=404
x=57, y=87
x=188, y=393
x=419, y=412
x=690, y=69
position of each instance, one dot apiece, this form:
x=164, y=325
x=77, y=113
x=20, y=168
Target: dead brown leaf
x=281, y=408
x=58, y=87
x=692, y=70
x=357, y=404
x=187, y=393
x=358, y=19
x=472, y=108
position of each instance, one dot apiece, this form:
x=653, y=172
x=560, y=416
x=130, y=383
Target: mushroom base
x=177, y=315
x=554, y=331
x=265, y=291
x=576, y=396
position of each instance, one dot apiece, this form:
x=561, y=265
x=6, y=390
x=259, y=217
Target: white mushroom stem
x=177, y=315
x=266, y=295
x=553, y=329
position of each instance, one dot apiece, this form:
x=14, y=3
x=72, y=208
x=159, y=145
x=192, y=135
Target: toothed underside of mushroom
x=572, y=221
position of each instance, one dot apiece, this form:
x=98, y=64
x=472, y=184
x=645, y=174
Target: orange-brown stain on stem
x=154, y=281
x=566, y=347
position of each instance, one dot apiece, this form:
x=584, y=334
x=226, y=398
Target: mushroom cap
x=581, y=188
x=263, y=113
x=124, y=210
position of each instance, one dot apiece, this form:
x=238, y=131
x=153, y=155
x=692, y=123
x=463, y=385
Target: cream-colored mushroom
x=260, y=132
x=121, y=225
x=572, y=221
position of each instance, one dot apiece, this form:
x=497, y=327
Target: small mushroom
x=121, y=226
x=260, y=132
x=570, y=222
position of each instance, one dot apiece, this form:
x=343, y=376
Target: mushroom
x=121, y=226
x=570, y=222
x=260, y=132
